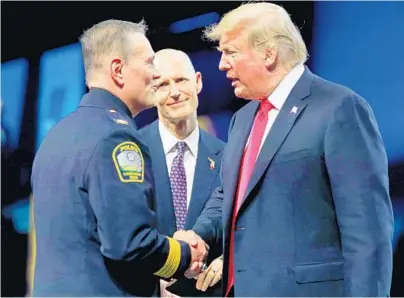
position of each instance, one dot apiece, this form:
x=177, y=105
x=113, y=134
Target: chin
x=239, y=93
x=179, y=116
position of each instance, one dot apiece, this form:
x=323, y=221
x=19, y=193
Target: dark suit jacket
x=316, y=219
x=206, y=180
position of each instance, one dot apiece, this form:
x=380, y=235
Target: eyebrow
x=227, y=48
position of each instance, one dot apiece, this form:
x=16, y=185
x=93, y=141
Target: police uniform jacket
x=95, y=228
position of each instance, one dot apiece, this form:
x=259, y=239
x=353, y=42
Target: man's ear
x=116, y=71
x=271, y=56
x=199, y=84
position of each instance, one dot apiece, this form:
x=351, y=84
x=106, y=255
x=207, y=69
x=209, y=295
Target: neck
x=276, y=77
x=132, y=104
x=181, y=129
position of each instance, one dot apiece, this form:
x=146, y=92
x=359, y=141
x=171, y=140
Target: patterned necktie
x=246, y=169
x=178, y=181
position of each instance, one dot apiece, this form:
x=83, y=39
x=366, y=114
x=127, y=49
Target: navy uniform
x=93, y=215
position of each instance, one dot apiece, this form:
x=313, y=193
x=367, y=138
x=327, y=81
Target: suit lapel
x=203, y=178
x=164, y=201
x=236, y=143
x=292, y=108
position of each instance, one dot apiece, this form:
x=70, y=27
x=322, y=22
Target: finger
x=194, y=269
x=208, y=279
x=203, y=250
x=201, y=279
x=218, y=276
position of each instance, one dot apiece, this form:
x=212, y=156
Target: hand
x=163, y=289
x=194, y=270
x=210, y=276
x=188, y=236
x=199, y=251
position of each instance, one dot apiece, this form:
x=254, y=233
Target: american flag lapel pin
x=212, y=163
x=293, y=110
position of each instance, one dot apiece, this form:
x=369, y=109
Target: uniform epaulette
x=117, y=118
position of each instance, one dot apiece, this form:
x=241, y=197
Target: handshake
x=199, y=251
x=206, y=276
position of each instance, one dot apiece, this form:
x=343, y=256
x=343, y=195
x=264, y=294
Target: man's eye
x=162, y=85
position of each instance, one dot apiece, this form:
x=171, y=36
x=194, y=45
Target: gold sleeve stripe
x=173, y=259
x=31, y=250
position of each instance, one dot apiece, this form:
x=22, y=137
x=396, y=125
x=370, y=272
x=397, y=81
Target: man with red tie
x=304, y=207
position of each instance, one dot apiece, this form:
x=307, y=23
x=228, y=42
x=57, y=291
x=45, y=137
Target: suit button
x=240, y=228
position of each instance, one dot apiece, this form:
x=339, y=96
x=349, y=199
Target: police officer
x=92, y=185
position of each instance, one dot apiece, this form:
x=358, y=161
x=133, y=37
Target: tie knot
x=181, y=147
x=265, y=105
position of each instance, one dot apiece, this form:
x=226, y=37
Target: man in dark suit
x=94, y=223
x=304, y=203
x=186, y=159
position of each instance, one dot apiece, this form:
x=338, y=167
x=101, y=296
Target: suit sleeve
x=209, y=225
x=358, y=170
x=119, y=181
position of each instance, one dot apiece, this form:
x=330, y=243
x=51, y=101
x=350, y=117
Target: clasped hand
x=199, y=251
x=210, y=276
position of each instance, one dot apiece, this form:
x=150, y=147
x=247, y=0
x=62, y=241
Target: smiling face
x=177, y=89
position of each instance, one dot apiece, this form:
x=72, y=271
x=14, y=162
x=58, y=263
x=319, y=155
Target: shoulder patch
x=129, y=162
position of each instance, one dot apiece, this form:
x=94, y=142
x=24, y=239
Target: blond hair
x=268, y=25
x=105, y=38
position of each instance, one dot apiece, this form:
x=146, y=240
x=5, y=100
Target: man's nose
x=174, y=92
x=223, y=64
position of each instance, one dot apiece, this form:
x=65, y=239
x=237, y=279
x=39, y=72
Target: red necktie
x=246, y=170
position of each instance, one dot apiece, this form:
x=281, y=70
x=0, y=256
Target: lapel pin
x=293, y=110
x=212, y=163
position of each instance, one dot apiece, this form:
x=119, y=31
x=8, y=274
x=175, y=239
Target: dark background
x=28, y=29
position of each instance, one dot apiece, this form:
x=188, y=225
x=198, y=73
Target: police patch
x=129, y=162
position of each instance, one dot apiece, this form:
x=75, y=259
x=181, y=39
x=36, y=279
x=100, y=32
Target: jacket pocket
x=319, y=272
x=292, y=156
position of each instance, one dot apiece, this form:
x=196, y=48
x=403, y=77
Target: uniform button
x=240, y=228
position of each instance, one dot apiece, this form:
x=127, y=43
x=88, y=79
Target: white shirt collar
x=169, y=140
x=282, y=91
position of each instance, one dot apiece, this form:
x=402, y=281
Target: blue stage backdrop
x=361, y=45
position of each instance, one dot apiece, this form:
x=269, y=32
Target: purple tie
x=178, y=181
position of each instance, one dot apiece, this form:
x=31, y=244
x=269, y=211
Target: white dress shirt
x=191, y=153
x=278, y=97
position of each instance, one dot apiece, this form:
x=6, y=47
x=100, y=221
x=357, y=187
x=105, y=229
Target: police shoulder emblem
x=129, y=162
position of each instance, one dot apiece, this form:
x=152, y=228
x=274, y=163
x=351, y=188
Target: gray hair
x=105, y=38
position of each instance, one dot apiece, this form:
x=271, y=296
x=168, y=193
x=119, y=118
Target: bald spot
x=169, y=61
